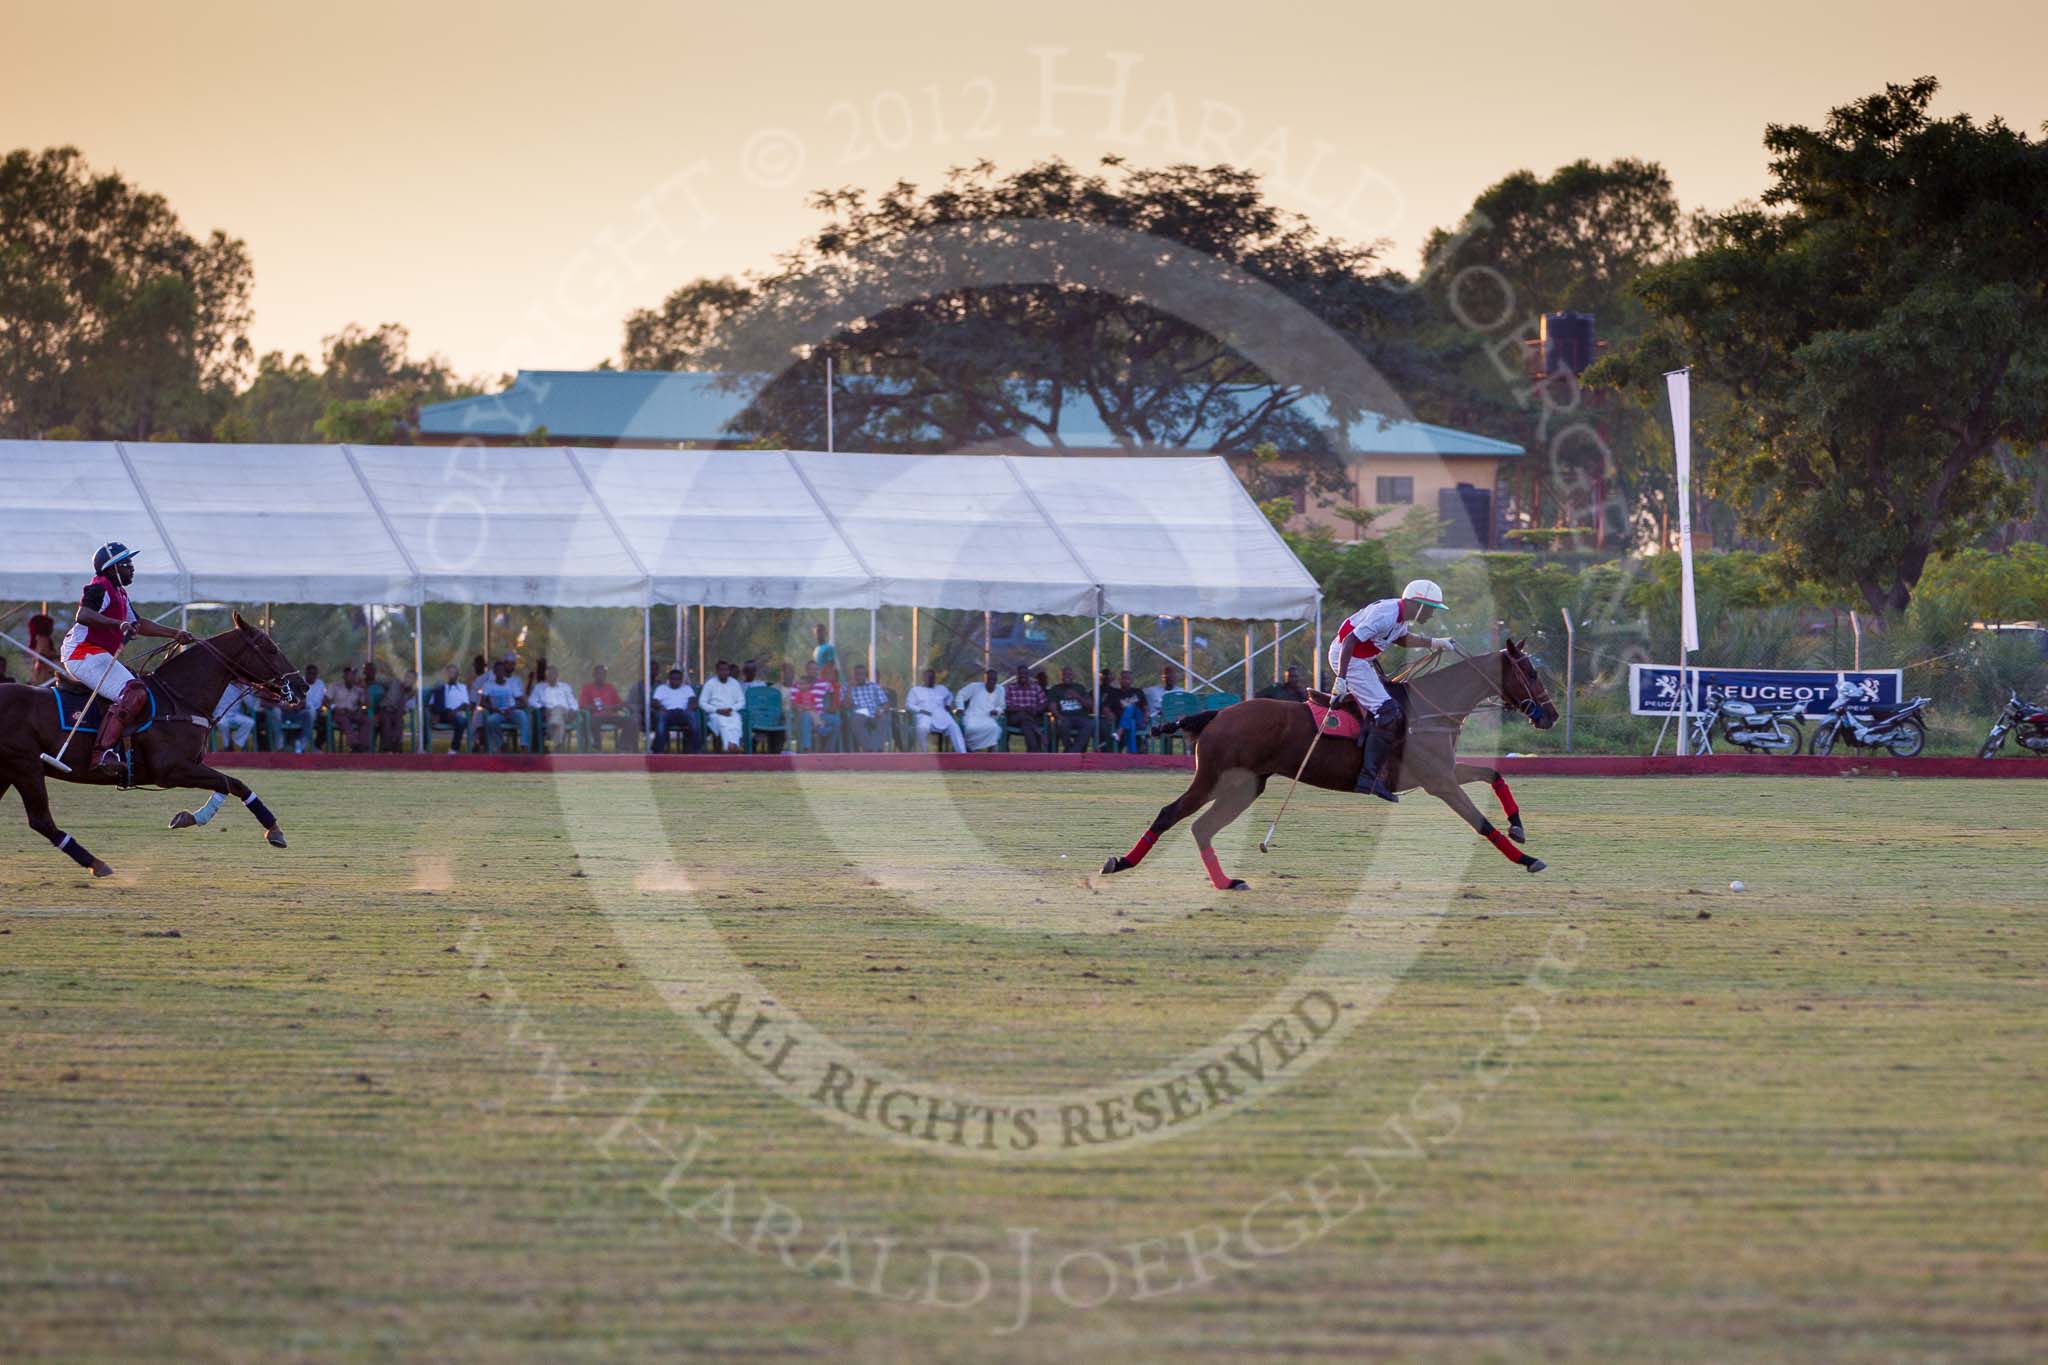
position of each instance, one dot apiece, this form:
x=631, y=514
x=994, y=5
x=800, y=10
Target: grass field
x=440, y=1081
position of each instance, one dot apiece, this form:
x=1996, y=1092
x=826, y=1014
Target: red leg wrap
x=1216, y=877
x=1507, y=798
x=1505, y=845
x=1141, y=848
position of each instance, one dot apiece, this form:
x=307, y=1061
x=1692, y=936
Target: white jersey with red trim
x=1377, y=627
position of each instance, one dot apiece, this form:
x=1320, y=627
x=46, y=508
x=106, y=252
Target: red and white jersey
x=1376, y=628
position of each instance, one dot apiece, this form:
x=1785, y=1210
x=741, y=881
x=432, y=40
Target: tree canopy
x=1879, y=326
x=115, y=322
x=942, y=349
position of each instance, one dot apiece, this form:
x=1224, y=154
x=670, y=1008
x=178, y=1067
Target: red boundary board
x=1547, y=765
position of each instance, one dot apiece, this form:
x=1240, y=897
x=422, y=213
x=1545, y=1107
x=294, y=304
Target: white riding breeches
x=103, y=673
x=1366, y=683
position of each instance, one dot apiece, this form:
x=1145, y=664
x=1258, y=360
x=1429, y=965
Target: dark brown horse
x=1238, y=748
x=166, y=754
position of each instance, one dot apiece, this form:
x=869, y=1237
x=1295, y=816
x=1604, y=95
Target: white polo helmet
x=1425, y=591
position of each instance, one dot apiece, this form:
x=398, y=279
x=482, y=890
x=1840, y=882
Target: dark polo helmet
x=110, y=556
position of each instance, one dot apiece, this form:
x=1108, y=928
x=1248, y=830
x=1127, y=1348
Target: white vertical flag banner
x=1680, y=383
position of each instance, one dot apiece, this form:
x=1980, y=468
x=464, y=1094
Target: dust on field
x=351, y=1099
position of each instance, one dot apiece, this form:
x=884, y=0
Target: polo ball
x=1735, y=885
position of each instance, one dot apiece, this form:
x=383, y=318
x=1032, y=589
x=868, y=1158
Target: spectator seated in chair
x=725, y=706
x=1128, y=701
x=42, y=632
x=1069, y=702
x=449, y=704
x=819, y=698
x=234, y=717
x=1289, y=688
x=868, y=721
x=498, y=709
x=382, y=714
x=553, y=705
x=1024, y=707
x=601, y=703
x=981, y=712
x=931, y=711
x=344, y=704
x=675, y=712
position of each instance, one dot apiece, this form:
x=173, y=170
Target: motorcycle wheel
x=1795, y=738
x=1824, y=740
x=1908, y=741
x=1992, y=745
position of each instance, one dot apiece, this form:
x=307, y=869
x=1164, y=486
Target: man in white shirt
x=931, y=710
x=981, y=708
x=234, y=717
x=554, y=701
x=725, y=706
x=449, y=704
x=675, y=709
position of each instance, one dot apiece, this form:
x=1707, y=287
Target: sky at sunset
x=510, y=180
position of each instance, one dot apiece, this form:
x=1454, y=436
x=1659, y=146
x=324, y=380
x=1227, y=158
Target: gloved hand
x=1339, y=690
x=1443, y=642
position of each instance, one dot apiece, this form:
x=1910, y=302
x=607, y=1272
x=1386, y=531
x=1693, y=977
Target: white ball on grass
x=1735, y=885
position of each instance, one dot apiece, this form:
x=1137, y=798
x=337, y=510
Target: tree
x=369, y=389
x=1878, y=326
x=934, y=357
x=114, y=321
x=1573, y=241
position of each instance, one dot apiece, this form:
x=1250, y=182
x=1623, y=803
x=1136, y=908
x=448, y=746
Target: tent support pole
x=646, y=671
x=916, y=674
x=701, y=673
x=1095, y=676
x=419, y=673
x=988, y=641
x=487, y=635
x=873, y=617
x=1276, y=652
x=1127, y=641
x=680, y=657
x=1247, y=660
x=1317, y=662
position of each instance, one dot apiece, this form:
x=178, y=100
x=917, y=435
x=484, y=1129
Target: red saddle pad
x=1336, y=722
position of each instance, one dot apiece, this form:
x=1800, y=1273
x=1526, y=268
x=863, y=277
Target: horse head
x=1521, y=686
x=255, y=661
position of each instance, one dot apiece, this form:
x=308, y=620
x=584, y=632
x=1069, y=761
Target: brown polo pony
x=1238, y=748
x=166, y=754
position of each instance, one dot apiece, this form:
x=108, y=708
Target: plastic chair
x=763, y=714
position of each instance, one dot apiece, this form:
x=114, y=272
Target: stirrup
x=1375, y=785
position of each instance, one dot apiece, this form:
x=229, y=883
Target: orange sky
x=509, y=180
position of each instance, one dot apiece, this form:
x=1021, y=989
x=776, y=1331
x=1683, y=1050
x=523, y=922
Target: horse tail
x=1189, y=725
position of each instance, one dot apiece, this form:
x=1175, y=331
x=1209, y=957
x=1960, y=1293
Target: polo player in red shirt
x=92, y=647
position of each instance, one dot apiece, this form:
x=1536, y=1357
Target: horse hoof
x=274, y=837
x=1517, y=833
x=100, y=869
x=1115, y=864
x=184, y=819
x=1533, y=864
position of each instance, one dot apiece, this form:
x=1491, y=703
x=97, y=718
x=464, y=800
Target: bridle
x=1529, y=706
x=277, y=689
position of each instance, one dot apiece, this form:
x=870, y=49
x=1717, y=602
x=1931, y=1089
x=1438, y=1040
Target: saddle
x=72, y=699
x=1343, y=721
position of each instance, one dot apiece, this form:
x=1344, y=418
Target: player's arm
x=145, y=626
x=1413, y=641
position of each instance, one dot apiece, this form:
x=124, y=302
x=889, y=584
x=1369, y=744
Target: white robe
x=719, y=693
x=982, y=714
x=932, y=709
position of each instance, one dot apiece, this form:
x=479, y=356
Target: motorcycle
x=1758, y=729
x=2027, y=723
x=1900, y=729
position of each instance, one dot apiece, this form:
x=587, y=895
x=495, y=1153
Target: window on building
x=1395, y=488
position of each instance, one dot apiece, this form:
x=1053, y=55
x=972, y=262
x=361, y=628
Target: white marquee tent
x=631, y=528
x=560, y=527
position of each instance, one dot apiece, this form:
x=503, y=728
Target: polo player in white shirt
x=1365, y=635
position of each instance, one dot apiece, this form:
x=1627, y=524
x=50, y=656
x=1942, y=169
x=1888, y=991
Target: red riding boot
x=122, y=714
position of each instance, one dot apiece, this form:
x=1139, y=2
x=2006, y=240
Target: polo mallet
x=56, y=761
x=1266, y=844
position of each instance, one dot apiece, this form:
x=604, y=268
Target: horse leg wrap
x=72, y=848
x=259, y=810
x=1507, y=798
x=1504, y=844
x=1141, y=848
x=1216, y=877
